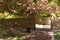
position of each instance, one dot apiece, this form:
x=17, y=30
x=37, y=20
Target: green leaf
x=49, y=1
x=35, y=1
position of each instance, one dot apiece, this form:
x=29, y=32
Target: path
x=38, y=34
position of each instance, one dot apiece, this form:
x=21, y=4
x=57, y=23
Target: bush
x=38, y=35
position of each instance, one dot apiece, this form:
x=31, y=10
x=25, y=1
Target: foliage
x=49, y=1
x=57, y=36
x=7, y=15
x=58, y=14
x=35, y=1
x=38, y=35
x=28, y=7
x=44, y=15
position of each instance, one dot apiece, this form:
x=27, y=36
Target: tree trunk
x=31, y=23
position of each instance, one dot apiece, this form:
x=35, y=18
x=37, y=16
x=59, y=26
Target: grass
x=57, y=36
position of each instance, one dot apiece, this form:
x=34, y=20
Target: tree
x=29, y=8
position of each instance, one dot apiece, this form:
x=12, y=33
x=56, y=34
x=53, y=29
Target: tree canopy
x=29, y=7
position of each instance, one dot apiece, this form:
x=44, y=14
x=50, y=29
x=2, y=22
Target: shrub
x=38, y=35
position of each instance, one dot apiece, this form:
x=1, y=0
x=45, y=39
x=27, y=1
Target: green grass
x=57, y=36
